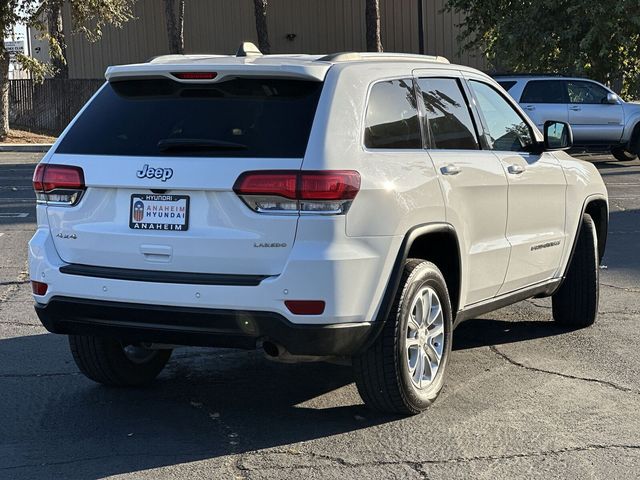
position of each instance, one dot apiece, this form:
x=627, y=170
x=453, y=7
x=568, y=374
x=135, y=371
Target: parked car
x=355, y=206
x=598, y=116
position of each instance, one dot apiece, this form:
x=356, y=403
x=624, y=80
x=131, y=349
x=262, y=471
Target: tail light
x=58, y=184
x=328, y=192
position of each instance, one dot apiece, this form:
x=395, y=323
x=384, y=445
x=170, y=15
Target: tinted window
x=507, y=84
x=544, y=91
x=506, y=129
x=239, y=117
x=447, y=114
x=392, y=116
x=586, y=92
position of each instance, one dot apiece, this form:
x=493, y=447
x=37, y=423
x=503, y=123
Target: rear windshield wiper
x=197, y=144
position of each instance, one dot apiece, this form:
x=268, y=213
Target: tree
x=372, y=21
x=175, y=25
x=600, y=40
x=87, y=18
x=56, y=34
x=11, y=13
x=260, y=10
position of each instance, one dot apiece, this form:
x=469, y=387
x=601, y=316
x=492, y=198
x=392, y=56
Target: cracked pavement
x=523, y=398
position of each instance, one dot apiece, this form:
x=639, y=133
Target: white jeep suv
x=355, y=205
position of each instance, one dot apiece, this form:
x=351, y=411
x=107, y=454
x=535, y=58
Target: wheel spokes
x=425, y=335
x=418, y=373
x=436, y=330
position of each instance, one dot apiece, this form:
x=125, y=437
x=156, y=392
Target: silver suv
x=598, y=117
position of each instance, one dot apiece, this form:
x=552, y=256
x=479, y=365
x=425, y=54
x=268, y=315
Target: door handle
x=529, y=108
x=450, y=169
x=515, y=169
x=575, y=108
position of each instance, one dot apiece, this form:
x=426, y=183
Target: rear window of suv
x=242, y=117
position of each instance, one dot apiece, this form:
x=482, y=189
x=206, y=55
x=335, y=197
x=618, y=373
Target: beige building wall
x=295, y=26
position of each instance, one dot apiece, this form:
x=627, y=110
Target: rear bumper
x=198, y=326
x=349, y=274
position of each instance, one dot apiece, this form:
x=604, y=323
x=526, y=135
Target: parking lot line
x=14, y=215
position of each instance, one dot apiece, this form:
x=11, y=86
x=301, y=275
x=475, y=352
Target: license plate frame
x=162, y=204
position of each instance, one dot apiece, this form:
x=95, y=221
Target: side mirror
x=557, y=135
x=612, y=99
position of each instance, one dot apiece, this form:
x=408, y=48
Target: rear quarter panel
x=399, y=188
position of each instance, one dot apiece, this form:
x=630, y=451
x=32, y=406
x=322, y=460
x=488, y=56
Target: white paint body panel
x=345, y=260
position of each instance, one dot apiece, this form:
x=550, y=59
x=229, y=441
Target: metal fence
x=49, y=106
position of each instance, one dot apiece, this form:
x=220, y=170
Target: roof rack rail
x=356, y=56
x=248, y=49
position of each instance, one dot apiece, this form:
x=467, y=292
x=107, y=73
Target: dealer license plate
x=159, y=212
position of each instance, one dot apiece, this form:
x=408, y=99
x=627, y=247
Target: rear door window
x=392, y=116
x=544, y=91
x=242, y=117
x=448, y=119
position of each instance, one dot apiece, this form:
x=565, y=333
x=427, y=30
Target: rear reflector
x=305, y=307
x=58, y=184
x=330, y=191
x=39, y=288
x=195, y=75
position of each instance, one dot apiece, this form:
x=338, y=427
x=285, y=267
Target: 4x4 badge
x=163, y=174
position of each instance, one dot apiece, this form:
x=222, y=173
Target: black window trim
x=565, y=89
x=427, y=137
x=485, y=144
x=363, y=128
x=512, y=83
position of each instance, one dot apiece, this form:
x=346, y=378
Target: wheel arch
x=598, y=210
x=434, y=242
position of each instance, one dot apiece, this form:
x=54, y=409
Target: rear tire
x=575, y=303
x=109, y=362
x=404, y=370
x=623, y=155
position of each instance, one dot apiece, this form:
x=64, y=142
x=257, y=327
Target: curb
x=25, y=147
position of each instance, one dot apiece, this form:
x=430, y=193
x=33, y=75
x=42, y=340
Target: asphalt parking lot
x=523, y=399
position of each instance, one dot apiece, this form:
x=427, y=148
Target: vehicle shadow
x=485, y=332
x=208, y=403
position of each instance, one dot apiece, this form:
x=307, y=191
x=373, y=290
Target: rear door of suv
x=160, y=158
x=473, y=182
x=545, y=99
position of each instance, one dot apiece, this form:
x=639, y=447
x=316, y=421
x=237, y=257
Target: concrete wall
x=319, y=26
